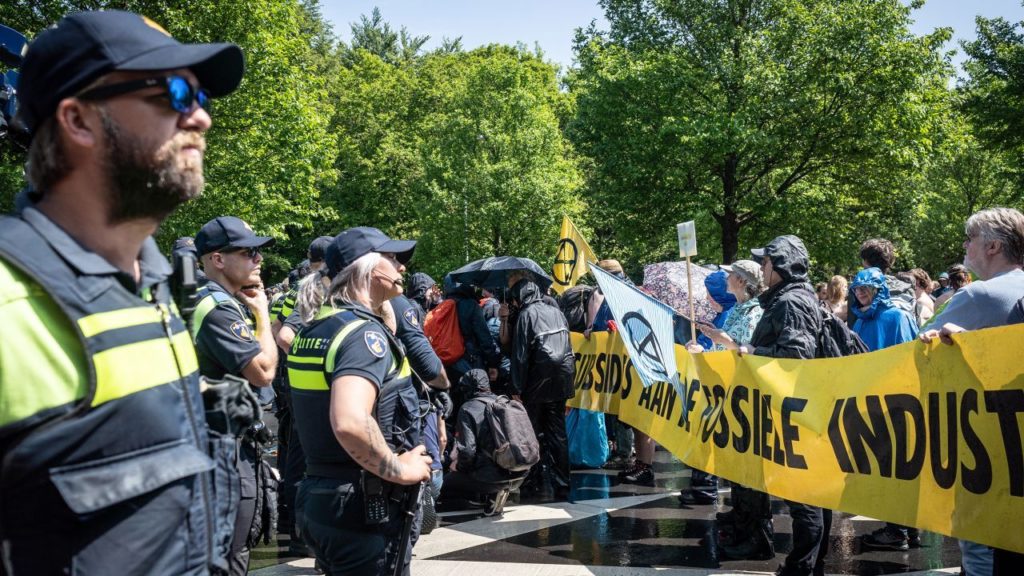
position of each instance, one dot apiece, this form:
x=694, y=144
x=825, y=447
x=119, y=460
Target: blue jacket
x=882, y=324
x=715, y=284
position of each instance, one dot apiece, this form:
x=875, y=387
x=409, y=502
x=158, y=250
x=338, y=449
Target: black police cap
x=228, y=232
x=357, y=242
x=318, y=248
x=83, y=46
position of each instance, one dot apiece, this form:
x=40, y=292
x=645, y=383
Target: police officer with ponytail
x=357, y=409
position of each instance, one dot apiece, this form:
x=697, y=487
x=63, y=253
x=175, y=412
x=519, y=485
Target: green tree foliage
x=994, y=89
x=461, y=150
x=962, y=177
x=269, y=151
x=375, y=36
x=740, y=113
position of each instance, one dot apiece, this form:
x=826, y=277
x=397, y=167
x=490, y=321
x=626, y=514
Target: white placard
x=687, y=239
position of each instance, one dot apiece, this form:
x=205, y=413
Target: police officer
x=186, y=247
x=357, y=409
x=102, y=438
x=231, y=328
x=290, y=457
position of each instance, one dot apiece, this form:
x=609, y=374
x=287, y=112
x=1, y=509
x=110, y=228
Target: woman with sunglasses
x=357, y=409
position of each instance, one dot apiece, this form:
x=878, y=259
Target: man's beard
x=147, y=183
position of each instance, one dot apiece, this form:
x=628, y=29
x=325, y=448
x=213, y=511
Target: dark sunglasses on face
x=177, y=90
x=247, y=252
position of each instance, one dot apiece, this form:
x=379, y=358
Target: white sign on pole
x=687, y=239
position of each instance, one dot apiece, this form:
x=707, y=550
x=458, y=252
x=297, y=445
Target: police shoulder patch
x=241, y=330
x=411, y=318
x=376, y=343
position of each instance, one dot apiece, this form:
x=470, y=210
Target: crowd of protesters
x=764, y=305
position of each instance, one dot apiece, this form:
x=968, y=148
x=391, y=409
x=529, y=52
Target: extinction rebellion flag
x=645, y=326
x=571, y=258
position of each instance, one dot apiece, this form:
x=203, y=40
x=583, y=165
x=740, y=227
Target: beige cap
x=748, y=270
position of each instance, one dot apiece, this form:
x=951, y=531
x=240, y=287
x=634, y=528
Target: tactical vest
x=208, y=299
x=287, y=304
x=399, y=410
x=137, y=435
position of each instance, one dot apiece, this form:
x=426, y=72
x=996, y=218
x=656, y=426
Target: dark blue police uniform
x=225, y=339
x=350, y=341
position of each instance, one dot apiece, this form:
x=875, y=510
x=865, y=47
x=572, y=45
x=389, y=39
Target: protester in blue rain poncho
x=879, y=323
x=718, y=292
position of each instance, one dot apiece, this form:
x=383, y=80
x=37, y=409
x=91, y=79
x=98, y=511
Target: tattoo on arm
x=377, y=457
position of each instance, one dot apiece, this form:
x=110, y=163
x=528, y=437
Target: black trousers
x=247, y=461
x=548, y=418
x=292, y=473
x=811, y=526
x=330, y=514
x=751, y=509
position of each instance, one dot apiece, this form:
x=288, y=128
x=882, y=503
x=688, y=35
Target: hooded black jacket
x=474, y=440
x=543, y=365
x=416, y=291
x=791, y=321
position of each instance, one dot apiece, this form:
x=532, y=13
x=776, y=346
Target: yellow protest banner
x=924, y=435
x=571, y=258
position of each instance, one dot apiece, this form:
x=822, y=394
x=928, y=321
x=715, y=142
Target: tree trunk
x=496, y=240
x=730, y=219
x=730, y=235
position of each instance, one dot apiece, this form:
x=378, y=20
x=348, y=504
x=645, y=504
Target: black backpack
x=515, y=445
x=573, y=304
x=835, y=339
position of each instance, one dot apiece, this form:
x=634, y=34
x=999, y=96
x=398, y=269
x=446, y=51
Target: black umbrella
x=493, y=272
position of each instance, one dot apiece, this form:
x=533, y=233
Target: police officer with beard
x=102, y=439
x=357, y=409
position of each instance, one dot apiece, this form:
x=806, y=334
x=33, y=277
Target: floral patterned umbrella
x=666, y=281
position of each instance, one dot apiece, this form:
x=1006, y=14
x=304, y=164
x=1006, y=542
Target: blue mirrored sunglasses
x=177, y=90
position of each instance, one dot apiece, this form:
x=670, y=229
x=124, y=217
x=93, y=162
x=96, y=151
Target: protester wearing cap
x=356, y=407
x=788, y=329
x=109, y=473
x=231, y=328
x=944, y=286
x=745, y=523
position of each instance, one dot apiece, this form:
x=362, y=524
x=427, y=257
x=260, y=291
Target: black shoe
x=728, y=517
x=643, y=476
x=750, y=549
x=694, y=498
x=630, y=468
x=886, y=539
x=913, y=538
